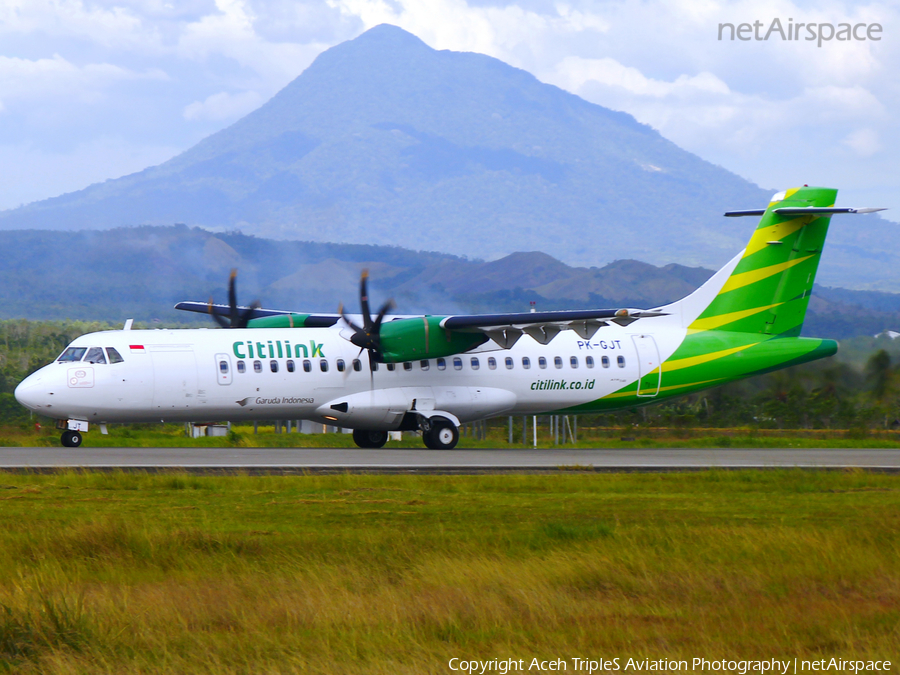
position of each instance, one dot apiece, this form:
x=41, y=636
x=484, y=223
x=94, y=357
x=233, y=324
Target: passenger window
x=542, y=362
x=441, y=364
x=223, y=367
x=492, y=363
x=407, y=365
x=573, y=361
x=72, y=354
x=526, y=362
x=290, y=365
x=307, y=366
x=589, y=361
x=357, y=365
x=273, y=366
x=604, y=361
x=114, y=356
x=95, y=355
x=557, y=361
x=373, y=364
x=620, y=360
x=391, y=366
x=241, y=366
x=509, y=363
x=257, y=366
x=457, y=363
x=424, y=364
x=323, y=365
x=474, y=363
x=341, y=365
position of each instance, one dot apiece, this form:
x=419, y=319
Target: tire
x=369, y=438
x=71, y=439
x=441, y=436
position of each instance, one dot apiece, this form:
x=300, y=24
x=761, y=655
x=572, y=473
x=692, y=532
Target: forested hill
x=142, y=272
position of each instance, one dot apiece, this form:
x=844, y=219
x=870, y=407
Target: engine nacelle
x=424, y=338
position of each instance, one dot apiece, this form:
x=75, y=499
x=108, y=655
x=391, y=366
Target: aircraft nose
x=32, y=392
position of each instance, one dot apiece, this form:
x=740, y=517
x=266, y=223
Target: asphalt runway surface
x=413, y=460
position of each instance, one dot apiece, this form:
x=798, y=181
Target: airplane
x=433, y=373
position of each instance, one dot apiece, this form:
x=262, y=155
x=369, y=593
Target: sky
x=91, y=91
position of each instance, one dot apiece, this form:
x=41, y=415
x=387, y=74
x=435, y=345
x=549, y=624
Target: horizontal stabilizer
x=745, y=212
x=821, y=210
x=804, y=211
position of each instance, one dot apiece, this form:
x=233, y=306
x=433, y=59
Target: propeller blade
x=368, y=336
x=219, y=320
x=238, y=317
x=232, y=298
x=245, y=316
x=385, y=308
x=364, y=299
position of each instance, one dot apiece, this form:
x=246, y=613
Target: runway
x=293, y=460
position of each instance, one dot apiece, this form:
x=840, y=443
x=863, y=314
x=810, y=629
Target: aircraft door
x=224, y=374
x=174, y=377
x=649, y=371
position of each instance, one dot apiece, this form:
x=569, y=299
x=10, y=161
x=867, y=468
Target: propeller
x=237, y=316
x=368, y=336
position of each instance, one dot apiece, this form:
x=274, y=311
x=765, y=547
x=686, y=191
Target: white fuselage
x=269, y=374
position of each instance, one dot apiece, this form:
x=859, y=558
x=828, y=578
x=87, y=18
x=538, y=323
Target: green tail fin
x=768, y=291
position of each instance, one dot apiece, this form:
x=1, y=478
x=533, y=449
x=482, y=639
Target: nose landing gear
x=70, y=438
x=71, y=432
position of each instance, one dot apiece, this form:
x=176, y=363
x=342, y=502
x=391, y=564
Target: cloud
x=575, y=72
x=113, y=26
x=223, y=106
x=29, y=79
x=864, y=142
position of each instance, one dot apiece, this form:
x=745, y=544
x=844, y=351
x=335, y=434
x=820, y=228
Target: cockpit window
x=95, y=355
x=72, y=354
x=114, y=356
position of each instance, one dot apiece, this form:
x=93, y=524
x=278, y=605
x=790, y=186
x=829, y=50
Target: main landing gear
x=365, y=438
x=442, y=435
x=437, y=433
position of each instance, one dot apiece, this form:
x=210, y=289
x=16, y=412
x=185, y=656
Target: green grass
x=172, y=435
x=176, y=573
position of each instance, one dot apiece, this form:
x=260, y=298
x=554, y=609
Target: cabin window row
x=441, y=364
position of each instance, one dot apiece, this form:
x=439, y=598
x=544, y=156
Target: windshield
x=72, y=354
x=95, y=355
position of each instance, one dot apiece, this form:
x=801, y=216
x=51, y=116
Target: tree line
x=859, y=388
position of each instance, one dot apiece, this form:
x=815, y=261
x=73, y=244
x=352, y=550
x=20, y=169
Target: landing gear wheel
x=70, y=439
x=366, y=438
x=441, y=436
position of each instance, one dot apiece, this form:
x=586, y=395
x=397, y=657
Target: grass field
x=173, y=435
x=133, y=573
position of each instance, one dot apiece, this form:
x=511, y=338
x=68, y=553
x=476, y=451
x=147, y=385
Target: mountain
x=141, y=272
x=383, y=140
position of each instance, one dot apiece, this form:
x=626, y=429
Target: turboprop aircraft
x=432, y=373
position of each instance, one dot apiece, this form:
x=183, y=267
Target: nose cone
x=32, y=392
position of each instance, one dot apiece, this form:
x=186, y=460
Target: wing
x=506, y=329
x=265, y=318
